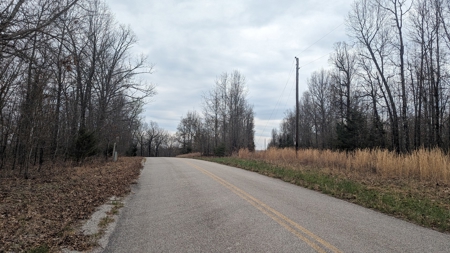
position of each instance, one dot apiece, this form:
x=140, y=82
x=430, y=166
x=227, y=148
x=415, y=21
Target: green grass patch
x=40, y=249
x=402, y=204
x=105, y=221
x=116, y=206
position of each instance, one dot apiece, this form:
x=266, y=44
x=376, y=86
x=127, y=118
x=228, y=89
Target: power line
x=334, y=29
x=316, y=59
x=279, y=99
x=291, y=93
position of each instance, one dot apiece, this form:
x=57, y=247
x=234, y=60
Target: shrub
x=132, y=150
x=220, y=150
x=85, y=145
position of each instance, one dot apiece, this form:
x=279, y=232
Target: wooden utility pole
x=296, y=108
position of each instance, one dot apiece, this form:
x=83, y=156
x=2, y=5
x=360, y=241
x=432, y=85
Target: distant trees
x=389, y=88
x=67, y=79
x=227, y=124
x=153, y=141
x=189, y=132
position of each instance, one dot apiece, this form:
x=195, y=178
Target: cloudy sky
x=192, y=42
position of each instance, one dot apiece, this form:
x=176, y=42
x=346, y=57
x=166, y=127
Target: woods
x=70, y=88
x=387, y=87
x=69, y=85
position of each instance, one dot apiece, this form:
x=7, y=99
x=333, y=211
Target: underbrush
x=44, y=212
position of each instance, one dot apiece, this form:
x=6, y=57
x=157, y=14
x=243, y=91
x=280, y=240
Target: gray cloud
x=193, y=42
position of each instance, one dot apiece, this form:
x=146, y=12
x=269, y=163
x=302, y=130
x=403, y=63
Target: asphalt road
x=185, y=205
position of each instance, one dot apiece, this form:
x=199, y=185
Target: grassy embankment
x=44, y=213
x=414, y=187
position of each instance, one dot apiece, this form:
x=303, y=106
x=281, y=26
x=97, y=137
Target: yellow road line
x=281, y=219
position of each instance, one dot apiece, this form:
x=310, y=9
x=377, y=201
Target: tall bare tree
x=367, y=25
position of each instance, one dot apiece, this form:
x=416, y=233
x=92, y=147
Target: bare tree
x=188, y=132
x=396, y=10
x=153, y=133
x=228, y=116
x=367, y=24
x=345, y=63
x=161, y=139
x=320, y=90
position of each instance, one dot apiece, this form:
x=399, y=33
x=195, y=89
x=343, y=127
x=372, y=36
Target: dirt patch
x=46, y=212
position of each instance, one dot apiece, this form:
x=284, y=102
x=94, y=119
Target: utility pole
x=296, y=108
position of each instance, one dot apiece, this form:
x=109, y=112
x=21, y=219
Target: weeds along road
x=185, y=205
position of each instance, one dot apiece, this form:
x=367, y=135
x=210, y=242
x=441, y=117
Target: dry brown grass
x=430, y=166
x=190, y=155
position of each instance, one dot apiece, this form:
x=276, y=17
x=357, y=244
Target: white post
x=114, y=153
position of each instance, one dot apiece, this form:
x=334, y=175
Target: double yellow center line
x=314, y=241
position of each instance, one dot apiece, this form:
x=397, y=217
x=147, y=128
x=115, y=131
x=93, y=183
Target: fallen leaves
x=46, y=211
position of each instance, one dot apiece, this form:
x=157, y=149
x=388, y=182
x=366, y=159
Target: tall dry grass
x=423, y=165
x=190, y=155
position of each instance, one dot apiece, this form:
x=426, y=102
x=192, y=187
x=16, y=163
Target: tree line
x=68, y=82
x=388, y=87
x=225, y=125
x=227, y=121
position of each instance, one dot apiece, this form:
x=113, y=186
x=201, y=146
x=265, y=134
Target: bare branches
x=66, y=74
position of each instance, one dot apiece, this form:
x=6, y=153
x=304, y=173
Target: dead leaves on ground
x=46, y=210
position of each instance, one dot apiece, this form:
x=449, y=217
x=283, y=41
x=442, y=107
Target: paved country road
x=185, y=205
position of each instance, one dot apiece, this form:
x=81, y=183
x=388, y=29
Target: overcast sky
x=192, y=42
